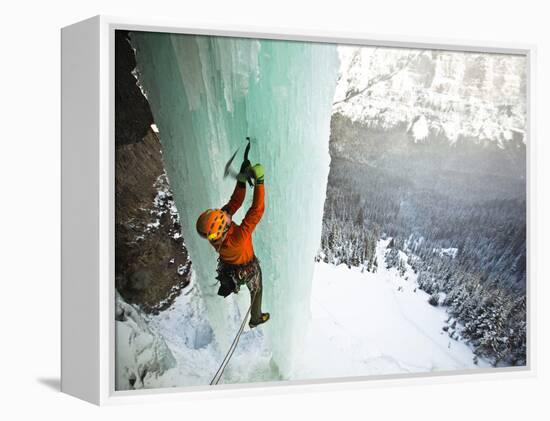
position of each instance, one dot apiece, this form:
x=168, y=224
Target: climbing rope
x=233, y=346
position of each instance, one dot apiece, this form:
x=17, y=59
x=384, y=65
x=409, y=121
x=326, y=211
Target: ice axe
x=246, y=165
x=228, y=169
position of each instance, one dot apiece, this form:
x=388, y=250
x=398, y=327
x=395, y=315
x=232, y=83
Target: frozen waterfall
x=207, y=94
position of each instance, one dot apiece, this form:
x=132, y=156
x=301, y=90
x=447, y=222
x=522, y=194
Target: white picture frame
x=87, y=333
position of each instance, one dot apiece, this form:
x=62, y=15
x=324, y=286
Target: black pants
x=238, y=275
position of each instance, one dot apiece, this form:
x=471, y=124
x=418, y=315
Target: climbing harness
x=232, y=277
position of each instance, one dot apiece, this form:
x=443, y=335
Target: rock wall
x=151, y=260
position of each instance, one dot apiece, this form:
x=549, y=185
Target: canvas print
x=290, y=211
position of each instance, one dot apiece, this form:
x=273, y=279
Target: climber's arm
x=236, y=200
x=256, y=211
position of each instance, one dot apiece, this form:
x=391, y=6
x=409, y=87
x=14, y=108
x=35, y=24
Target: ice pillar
x=207, y=94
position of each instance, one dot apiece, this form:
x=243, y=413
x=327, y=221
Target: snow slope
x=376, y=323
x=361, y=324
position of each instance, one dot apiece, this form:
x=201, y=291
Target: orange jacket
x=237, y=248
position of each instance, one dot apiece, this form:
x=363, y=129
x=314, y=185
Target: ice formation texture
x=207, y=94
x=141, y=352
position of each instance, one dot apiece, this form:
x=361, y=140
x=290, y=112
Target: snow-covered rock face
x=457, y=94
x=207, y=94
x=141, y=352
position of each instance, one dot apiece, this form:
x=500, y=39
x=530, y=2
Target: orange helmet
x=213, y=223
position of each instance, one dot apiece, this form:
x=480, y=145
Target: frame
x=88, y=334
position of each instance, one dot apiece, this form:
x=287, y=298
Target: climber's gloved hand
x=241, y=178
x=257, y=172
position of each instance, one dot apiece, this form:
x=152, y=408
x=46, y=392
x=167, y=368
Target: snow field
x=375, y=323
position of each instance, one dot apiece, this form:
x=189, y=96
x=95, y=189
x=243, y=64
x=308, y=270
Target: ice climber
x=237, y=264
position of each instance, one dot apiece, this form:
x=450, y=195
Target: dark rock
x=132, y=113
x=145, y=228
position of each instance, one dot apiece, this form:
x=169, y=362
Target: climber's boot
x=264, y=318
